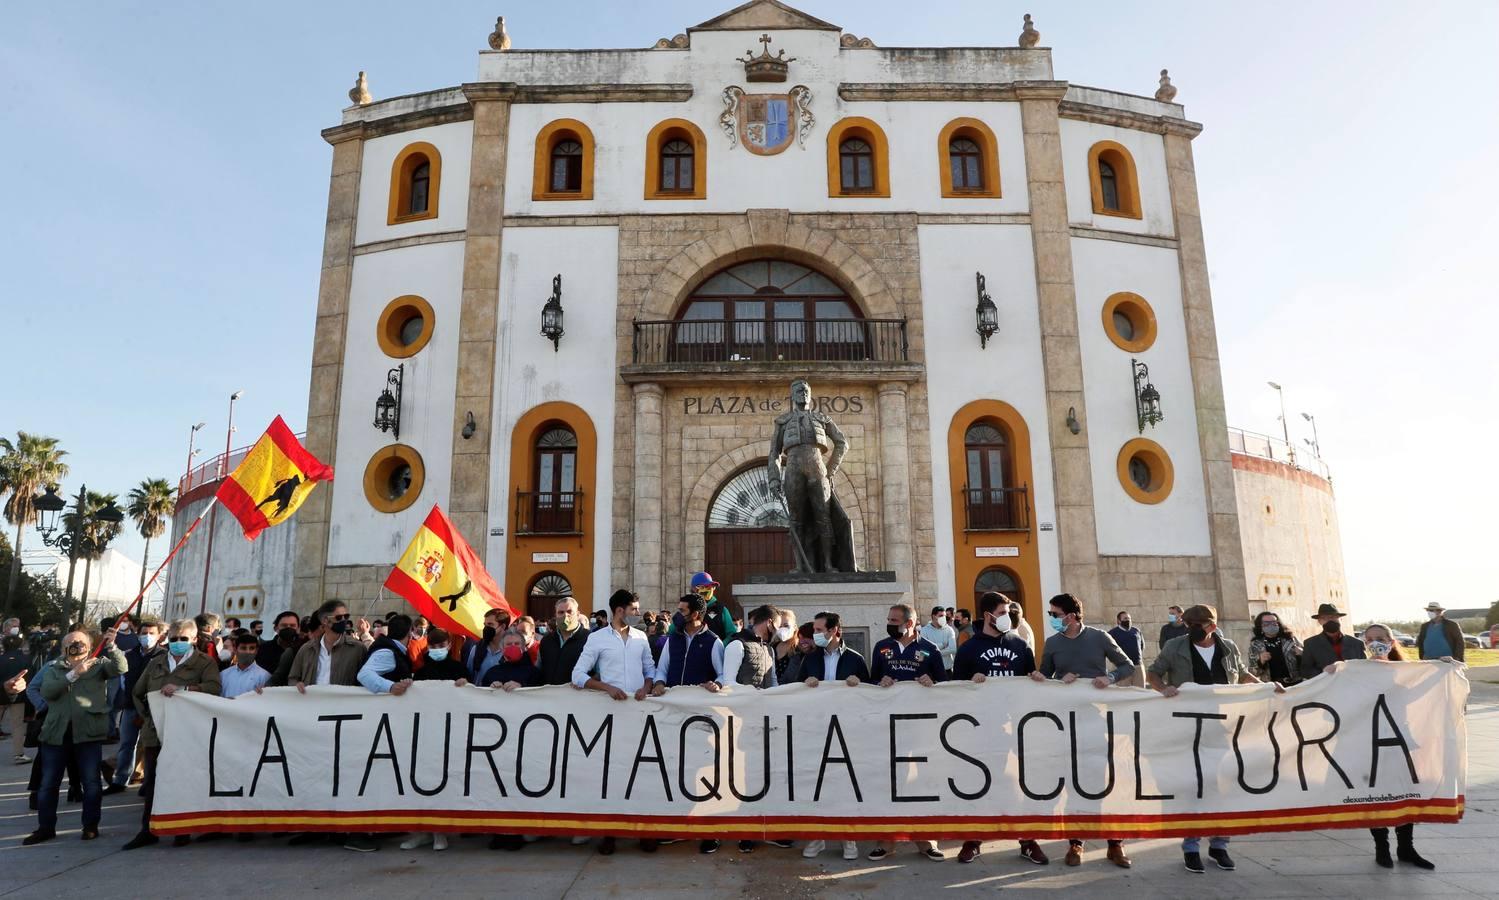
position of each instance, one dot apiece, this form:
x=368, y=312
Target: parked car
x=1472, y=641
x=1486, y=640
x=1405, y=639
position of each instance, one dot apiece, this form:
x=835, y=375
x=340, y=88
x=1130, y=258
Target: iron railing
x=789, y=340
x=1249, y=443
x=996, y=509
x=549, y=512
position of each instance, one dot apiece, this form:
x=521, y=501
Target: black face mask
x=1124, y=623
x=1332, y=626
x=894, y=631
x=1197, y=634
x=488, y=634
x=341, y=626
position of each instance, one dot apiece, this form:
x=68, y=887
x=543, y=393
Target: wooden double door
x=731, y=555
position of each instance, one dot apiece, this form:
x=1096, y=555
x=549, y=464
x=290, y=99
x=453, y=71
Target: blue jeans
x=125, y=758
x=54, y=762
x=1191, y=845
x=112, y=689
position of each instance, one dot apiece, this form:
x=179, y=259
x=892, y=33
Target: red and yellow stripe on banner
x=272, y=480
x=1364, y=815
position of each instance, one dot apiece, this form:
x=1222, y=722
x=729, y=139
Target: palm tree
x=151, y=502
x=94, y=537
x=27, y=465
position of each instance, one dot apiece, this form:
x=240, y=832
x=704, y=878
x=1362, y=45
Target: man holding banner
x=1201, y=656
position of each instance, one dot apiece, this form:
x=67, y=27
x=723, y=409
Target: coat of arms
x=766, y=123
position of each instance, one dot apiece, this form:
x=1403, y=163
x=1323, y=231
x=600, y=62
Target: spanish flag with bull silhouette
x=443, y=578
x=272, y=480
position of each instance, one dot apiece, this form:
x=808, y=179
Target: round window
x=1129, y=322
x=393, y=478
x=405, y=326
x=1145, y=471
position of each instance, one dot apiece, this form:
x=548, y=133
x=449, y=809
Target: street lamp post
x=1285, y=427
x=1316, y=444
x=191, y=452
x=72, y=541
x=214, y=515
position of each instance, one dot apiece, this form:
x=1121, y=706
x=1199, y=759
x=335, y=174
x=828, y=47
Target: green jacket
x=1174, y=665
x=82, y=704
x=197, y=672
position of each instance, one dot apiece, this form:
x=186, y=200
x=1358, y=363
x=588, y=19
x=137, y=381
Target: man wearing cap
x=1320, y=652
x=1439, y=636
x=717, y=616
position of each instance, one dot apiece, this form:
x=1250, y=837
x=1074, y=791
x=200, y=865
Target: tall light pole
x=1285, y=427
x=191, y=435
x=214, y=515
x=1316, y=444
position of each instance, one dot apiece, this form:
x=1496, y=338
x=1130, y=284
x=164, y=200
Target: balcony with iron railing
x=1263, y=446
x=996, y=509
x=741, y=347
x=549, y=513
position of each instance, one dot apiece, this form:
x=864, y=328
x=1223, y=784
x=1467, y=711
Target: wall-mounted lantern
x=551, y=314
x=1147, y=398
x=388, y=404
x=986, y=313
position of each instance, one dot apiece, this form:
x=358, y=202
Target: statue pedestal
x=861, y=599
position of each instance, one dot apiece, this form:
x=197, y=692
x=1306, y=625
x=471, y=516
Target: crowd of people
x=85, y=690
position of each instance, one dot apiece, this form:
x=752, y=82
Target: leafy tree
x=27, y=464
x=36, y=600
x=150, y=503
x=1492, y=619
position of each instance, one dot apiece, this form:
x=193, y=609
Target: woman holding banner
x=1381, y=645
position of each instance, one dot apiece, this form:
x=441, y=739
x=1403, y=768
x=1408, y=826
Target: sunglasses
x=343, y=618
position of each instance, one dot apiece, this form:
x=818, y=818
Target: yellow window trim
x=1138, y=311
x=1162, y=473
x=395, y=314
x=871, y=133
x=668, y=130
x=547, y=138
x=384, y=464
x=411, y=156
x=978, y=132
x=1125, y=178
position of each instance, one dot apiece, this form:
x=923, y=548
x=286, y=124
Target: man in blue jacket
x=130, y=730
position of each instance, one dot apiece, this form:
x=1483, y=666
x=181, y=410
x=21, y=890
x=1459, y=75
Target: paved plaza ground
x=1308, y=864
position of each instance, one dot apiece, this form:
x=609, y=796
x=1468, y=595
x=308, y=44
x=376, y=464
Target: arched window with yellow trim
x=415, y=177
x=858, y=159
x=676, y=162
x=1114, y=183
x=564, y=162
x=968, y=159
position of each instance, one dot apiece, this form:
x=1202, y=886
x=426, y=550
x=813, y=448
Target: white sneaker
x=850, y=850
x=439, y=842
x=418, y=839
x=812, y=849
x=580, y=839
x=22, y=759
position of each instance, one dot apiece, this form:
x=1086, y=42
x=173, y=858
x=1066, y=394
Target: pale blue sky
x=167, y=188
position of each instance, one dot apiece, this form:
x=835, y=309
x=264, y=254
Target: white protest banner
x=1371, y=744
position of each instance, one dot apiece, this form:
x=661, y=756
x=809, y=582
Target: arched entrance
x=747, y=534
x=541, y=598
x=998, y=578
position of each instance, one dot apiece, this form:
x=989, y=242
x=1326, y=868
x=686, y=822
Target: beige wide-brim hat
x=1434, y=606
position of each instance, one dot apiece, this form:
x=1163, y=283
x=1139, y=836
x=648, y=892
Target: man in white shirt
x=620, y=654
x=941, y=635
x=245, y=675
x=833, y=662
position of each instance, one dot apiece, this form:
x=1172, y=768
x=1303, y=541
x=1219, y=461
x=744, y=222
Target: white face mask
x=1432, y=614
x=1001, y=621
x=225, y=654
x=939, y=621
x=784, y=633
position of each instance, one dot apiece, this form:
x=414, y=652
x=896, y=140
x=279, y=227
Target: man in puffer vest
x=692, y=655
x=749, y=660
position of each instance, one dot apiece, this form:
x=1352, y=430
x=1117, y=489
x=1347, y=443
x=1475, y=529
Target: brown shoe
x=1074, y=854
x=1116, y=855
x=970, y=851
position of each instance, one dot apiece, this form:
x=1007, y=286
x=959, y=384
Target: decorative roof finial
x=499, y=39
x=1167, y=91
x=766, y=67
x=360, y=92
x=1029, y=36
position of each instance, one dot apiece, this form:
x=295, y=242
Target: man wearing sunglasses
x=334, y=656
x=717, y=616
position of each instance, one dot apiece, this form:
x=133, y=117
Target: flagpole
x=212, y=502
x=223, y=473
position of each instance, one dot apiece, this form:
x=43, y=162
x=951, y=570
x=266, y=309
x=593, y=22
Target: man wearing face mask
x=1132, y=642
x=1439, y=637
x=693, y=654
x=940, y=634
x=487, y=652
x=1075, y=651
x=387, y=667
x=180, y=668
x=563, y=643
x=245, y=675
x=335, y=657
x=1321, y=652
x=278, y=642
x=716, y=615
x=749, y=660
x=621, y=656
x=996, y=651
x=906, y=656
x=416, y=642
x=130, y=723
x=827, y=659
x=1173, y=627
x=74, y=686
